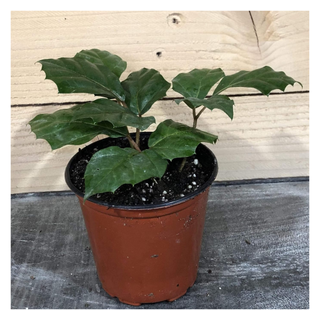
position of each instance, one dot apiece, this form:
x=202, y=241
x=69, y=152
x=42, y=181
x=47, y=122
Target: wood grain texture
x=255, y=253
x=266, y=139
x=186, y=40
x=268, y=136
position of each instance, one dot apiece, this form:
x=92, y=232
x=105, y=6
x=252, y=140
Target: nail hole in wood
x=159, y=54
x=174, y=19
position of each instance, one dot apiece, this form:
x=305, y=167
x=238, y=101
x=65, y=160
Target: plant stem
x=195, y=120
x=138, y=134
x=137, y=143
x=184, y=160
x=133, y=143
x=138, y=137
x=199, y=114
x=196, y=116
x=122, y=103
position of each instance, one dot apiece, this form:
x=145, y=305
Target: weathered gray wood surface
x=255, y=252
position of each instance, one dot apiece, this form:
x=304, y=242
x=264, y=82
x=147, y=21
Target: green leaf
x=112, y=167
x=189, y=103
x=176, y=140
x=143, y=88
x=102, y=57
x=107, y=110
x=221, y=102
x=264, y=79
x=196, y=83
x=59, y=129
x=76, y=75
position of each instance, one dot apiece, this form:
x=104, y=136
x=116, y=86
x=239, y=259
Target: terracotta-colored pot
x=147, y=254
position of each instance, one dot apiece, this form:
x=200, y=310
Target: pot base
x=177, y=297
x=130, y=303
x=136, y=304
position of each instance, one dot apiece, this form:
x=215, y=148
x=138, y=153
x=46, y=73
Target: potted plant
x=143, y=195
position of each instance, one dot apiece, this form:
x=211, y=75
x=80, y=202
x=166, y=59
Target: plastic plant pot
x=150, y=253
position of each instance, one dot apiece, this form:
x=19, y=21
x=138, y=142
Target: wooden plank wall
x=268, y=136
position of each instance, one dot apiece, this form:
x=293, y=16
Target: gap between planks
x=163, y=99
x=214, y=184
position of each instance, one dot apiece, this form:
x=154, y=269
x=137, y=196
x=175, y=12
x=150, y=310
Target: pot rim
x=189, y=196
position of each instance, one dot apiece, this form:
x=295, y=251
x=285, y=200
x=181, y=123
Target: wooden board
x=255, y=253
x=267, y=138
x=183, y=41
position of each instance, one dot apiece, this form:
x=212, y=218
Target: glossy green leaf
x=59, y=129
x=220, y=102
x=112, y=167
x=76, y=75
x=176, y=140
x=264, y=79
x=107, y=110
x=102, y=57
x=143, y=88
x=196, y=83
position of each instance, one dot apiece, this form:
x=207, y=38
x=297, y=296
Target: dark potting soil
x=172, y=186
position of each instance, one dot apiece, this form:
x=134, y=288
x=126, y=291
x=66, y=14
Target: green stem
x=199, y=114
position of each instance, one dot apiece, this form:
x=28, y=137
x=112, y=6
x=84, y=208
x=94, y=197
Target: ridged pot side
x=148, y=254
x=145, y=260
